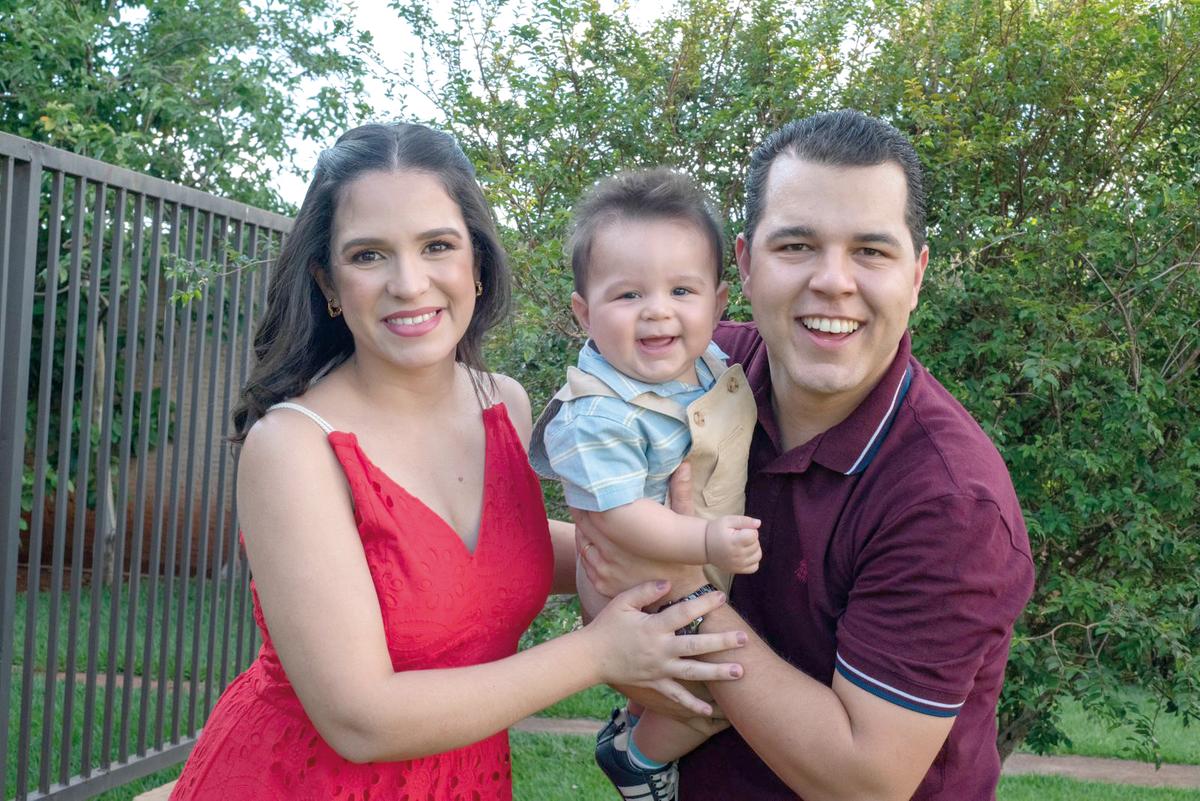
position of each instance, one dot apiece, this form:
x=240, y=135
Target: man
x=895, y=558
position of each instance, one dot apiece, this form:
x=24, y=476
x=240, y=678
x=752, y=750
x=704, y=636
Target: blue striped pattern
x=608, y=452
x=894, y=695
x=881, y=431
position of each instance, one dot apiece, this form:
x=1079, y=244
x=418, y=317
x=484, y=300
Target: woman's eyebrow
x=360, y=241
x=374, y=241
x=432, y=233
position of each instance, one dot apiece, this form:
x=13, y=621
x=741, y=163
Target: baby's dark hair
x=655, y=194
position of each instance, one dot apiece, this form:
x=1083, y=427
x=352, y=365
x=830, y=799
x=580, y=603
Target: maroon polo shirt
x=894, y=552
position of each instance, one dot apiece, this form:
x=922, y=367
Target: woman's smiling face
x=403, y=268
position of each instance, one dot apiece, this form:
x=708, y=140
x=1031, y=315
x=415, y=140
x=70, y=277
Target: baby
x=650, y=389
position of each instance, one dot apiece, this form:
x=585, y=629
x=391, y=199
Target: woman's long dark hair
x=297, y=340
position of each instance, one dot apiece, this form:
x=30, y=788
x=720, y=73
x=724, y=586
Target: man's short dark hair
x=841, y=139
x=655, y=194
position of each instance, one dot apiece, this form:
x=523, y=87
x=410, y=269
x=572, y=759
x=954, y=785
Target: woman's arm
x=323, y=614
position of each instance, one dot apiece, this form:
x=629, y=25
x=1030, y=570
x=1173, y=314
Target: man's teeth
x=830, y=325
x=420, y=318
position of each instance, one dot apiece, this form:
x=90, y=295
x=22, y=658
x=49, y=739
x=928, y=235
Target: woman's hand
x=641, y=649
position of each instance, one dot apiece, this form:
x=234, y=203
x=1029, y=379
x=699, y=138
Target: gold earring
x=333, y=307
x=478, y=289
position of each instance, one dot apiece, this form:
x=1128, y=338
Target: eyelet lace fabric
x=443, y=606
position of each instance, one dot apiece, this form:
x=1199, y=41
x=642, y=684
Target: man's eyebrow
x=877, y=237
x=791, y=232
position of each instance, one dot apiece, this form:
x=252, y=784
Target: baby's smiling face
x=652, y=297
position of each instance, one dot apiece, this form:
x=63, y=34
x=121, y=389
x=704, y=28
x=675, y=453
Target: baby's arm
x=651, y=530
x=601, y=460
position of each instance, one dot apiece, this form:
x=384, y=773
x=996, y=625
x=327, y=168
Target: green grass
x=195, y=618
x=594, y=702
x=545, y=766
x=1090, y=736
x=141, y=622
x=1055, y=788
x=549, y=767
x=75, y=765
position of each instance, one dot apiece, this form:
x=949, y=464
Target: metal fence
x=128, y=308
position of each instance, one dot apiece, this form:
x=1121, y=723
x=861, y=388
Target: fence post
x=22, y=190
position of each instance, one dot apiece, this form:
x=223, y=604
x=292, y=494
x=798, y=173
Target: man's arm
x=935, y=591
x=825, y=743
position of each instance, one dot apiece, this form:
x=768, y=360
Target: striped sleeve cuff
x=894, y=695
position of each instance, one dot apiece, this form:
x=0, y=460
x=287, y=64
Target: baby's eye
x=680, y=291
x=630, y=295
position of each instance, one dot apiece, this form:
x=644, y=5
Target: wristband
x=694, y=626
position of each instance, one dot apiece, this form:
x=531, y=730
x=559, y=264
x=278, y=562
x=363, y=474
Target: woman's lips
x=413, y=323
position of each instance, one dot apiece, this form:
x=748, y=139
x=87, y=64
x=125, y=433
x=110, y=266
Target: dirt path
x=1112, y=771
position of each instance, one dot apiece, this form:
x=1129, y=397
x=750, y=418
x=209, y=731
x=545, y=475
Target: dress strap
x=307, y=412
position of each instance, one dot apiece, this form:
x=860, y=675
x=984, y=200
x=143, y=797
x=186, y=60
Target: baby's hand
x=731, y=543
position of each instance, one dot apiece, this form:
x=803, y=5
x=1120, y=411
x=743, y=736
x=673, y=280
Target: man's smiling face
x=832, y=276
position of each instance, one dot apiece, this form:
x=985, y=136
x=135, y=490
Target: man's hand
x=731, y=543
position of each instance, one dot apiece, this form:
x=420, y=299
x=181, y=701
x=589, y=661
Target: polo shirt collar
x=848, y=447
x=591, y=361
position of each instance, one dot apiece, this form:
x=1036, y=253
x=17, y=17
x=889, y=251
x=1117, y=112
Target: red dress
x=443, y=606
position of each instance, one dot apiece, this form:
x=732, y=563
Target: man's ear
x=919, y=275
x=580, y=307
x=722, y=302
x=741, y=253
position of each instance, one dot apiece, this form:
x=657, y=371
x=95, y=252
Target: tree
x=1061, y=141
x=200, y=93
x=206, y=94
x=1063, y=151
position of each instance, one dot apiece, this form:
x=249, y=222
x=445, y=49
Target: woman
x=396, y=533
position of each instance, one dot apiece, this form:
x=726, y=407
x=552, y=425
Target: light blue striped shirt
x=608, y=452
